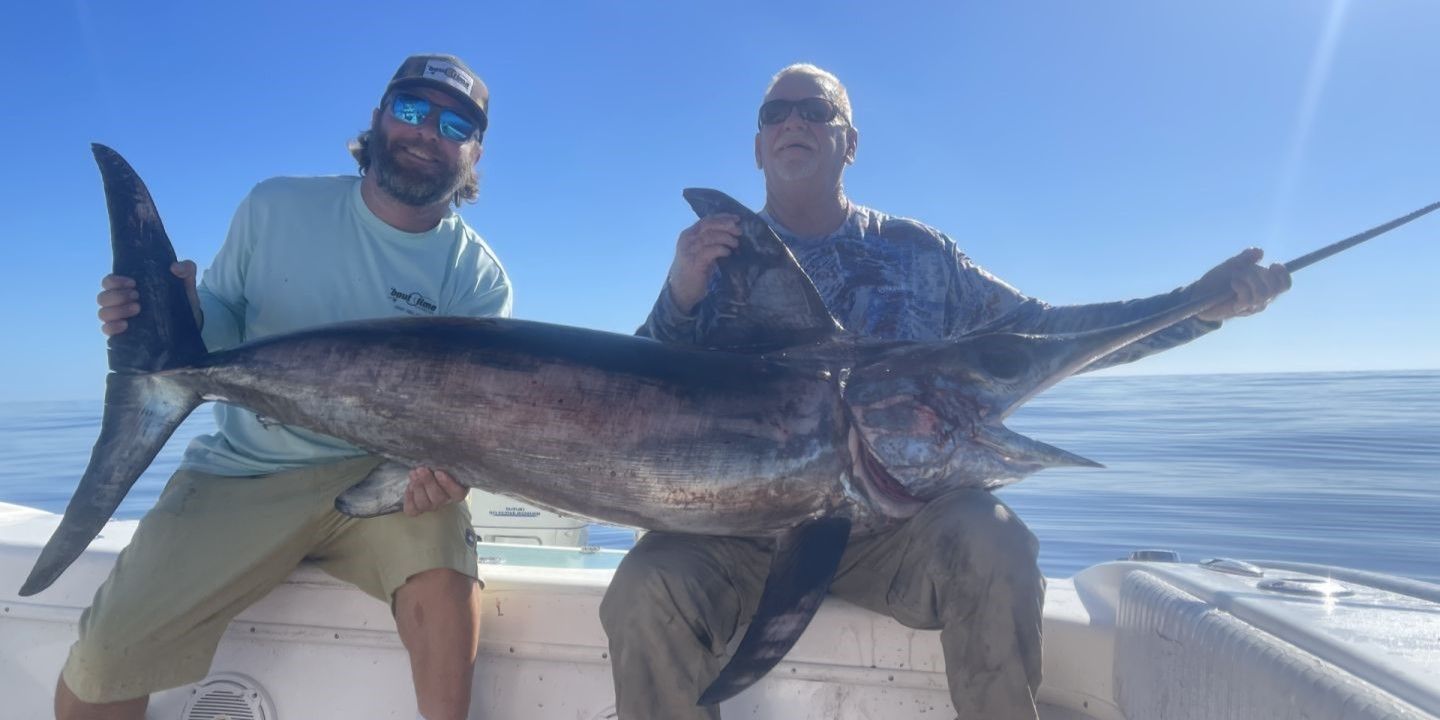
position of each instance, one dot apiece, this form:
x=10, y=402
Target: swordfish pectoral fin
x=805, y=562
x=380, y=493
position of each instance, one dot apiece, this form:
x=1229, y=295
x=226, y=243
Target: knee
x=974, y=527
x=637, y=592
x=440, y=589
x=443, y=581
x=653, y=591
x=69, y=705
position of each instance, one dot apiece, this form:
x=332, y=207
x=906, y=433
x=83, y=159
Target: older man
x=965, y=565
x=254, y=499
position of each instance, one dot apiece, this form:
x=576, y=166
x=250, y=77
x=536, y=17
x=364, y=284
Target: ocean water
x=1334, y=468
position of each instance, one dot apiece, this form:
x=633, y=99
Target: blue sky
x=1082, y=151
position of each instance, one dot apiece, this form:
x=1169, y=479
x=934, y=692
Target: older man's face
x=795, y=150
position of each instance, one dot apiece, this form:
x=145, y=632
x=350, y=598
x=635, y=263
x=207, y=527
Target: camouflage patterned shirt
x=892, y=278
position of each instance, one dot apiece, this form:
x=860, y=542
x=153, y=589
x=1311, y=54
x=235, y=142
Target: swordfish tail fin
x=141, y=412
x=143, y=405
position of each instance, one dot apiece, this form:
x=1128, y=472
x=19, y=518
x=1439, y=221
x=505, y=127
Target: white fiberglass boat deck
x=1133, y=640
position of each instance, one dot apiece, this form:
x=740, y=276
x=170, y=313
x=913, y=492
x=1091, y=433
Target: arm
x=220, y=297
x=986, y=303
x=486, y=291
x=1035, y=316
x=221, y=293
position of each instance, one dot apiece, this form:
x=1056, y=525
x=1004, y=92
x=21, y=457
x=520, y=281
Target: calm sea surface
x=1335, y=468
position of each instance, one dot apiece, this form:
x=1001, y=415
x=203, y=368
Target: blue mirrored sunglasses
x=413, y=110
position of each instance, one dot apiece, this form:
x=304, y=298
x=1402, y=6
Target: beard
x=795, y=170
x=414, y=186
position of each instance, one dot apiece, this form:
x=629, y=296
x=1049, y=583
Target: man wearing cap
x=254, y=499
x=965, y=564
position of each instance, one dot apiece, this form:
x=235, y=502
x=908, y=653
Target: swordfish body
x=619, y=428
x=782, y=426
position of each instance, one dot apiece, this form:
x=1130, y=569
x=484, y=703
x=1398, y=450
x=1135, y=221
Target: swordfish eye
x=1003, y=361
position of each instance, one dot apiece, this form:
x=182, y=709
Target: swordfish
x=783, y=426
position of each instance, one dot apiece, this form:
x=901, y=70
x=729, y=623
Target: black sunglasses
x=811, y=109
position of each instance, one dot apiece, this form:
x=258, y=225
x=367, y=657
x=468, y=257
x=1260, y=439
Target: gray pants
x=965, y=565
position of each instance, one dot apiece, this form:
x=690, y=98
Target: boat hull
x=1135, y=640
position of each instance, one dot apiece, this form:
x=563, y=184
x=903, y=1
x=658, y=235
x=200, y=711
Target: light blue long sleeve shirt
x=303, y=252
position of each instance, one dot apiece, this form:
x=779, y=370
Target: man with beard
x=254, y=499
x=965, y=564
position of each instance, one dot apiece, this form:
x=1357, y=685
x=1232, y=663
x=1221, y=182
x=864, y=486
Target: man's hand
x=431, y=490
x=119, y=300
x=696, y=251
x=1253, y=286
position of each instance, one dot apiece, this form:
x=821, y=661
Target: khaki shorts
x=213, y=545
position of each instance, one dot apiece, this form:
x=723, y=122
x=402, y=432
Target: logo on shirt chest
x=413, y=303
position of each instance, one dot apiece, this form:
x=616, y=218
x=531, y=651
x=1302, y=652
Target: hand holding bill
x=1251, y=285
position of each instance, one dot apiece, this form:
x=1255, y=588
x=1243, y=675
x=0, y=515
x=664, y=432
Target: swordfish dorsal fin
x=805, y=562
x=762, y=299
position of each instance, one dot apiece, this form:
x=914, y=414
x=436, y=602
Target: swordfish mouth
x=876, y=487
